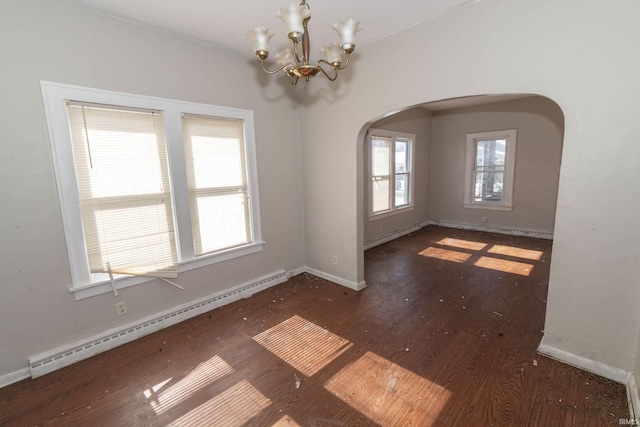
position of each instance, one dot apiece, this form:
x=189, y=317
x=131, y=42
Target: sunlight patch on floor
x=462, y=244
x=445, y=254
x=207, y=372
x=233, y=407
x=302, y=344
x=516, y=252
x=505, y=266
x=286, y=421
x=385, y=392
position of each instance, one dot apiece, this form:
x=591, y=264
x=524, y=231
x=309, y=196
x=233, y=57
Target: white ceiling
x=225, y=23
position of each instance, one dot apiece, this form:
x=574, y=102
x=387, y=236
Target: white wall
x=582, y=55
x=540, y=127
x=60, y=42
x=418, y=122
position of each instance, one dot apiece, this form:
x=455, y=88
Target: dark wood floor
x=445, y=334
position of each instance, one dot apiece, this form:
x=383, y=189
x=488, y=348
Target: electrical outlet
x=335, y=259
x=121, y=308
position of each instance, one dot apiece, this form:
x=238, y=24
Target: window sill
x=488, y=206
x=103, y=287
x=373, y=217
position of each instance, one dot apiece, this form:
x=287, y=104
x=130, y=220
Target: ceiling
x=225, y=23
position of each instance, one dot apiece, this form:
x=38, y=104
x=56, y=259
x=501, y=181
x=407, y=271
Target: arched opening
x=447, y=188
x=436, y=184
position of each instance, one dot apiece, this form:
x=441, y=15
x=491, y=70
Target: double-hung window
x=391, y=172
x=217, y=177
x=489, y=171
x=150, y=187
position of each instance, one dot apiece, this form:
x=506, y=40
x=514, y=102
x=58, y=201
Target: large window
x=150, y=186
x=391, y=172
x=489, y=171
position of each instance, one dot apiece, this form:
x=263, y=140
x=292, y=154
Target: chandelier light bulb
x=286, y=59
x=333, y=53
x=294, y=17
x=347, y=31
x=261, y=37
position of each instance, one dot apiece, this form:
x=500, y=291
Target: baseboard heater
x=61, y=357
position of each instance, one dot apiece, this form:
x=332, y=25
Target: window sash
x=217, y=178
x=489, y=170
x=388, y=163
x=120, y=158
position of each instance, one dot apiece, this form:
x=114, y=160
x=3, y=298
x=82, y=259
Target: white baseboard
x=295, y=272
x=495, y=229
x=615, y=374
x=14, y=377
x=340, y=281
x=390, y=237
x=634, y=398
x=602, y=369
x=55, y=359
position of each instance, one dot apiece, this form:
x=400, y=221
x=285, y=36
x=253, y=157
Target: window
x=217, y=177
x=150, y=186
x=391, y=172
x=489, y=171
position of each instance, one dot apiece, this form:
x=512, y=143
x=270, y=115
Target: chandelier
x=295, y=66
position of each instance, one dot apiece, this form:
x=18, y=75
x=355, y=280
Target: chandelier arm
x=346, y=63
x=277, y=69
x=335, y=73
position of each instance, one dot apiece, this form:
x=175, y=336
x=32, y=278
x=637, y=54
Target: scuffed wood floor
x=445, y=334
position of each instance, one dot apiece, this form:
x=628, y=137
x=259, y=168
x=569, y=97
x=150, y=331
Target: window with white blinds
x=123, y=184
x=217, y=177
x=150, y=187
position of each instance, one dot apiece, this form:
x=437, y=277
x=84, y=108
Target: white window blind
x=217, y=179
x=124, y=190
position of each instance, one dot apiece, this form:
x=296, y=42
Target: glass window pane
x=380, y=197
x=380, y=156
x=217, y=162
x=222, y=221
x=401, y=193
x=490, y=154
x=488, y=186
x=402, y=156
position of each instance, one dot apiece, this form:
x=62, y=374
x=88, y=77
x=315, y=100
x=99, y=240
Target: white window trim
x=394, y=136
x=507, y=192
x=54, y=98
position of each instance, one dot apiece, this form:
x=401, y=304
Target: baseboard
x=634, y=398
x=390, y=237
x=615, y=374
x=55, y=359
x=340, y=281
x=14, y=377
x=495, y=229
x=295, y=272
